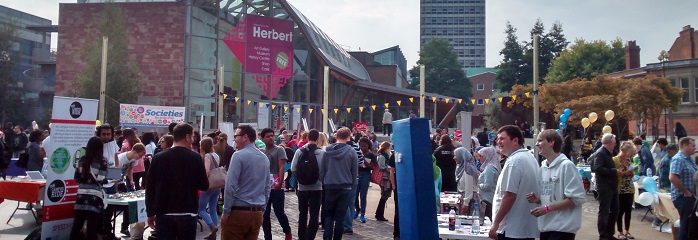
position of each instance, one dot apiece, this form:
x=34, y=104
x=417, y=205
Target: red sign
x=361, y=126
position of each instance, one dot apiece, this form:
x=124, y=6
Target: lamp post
x=663, y=57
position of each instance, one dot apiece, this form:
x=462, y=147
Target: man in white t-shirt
x=511, y=209
x=106, y=133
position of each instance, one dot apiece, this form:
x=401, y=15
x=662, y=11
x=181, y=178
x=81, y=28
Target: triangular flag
x=361, y=109
x=248, y=102
x=493, y=99
x=399, y=102
x=535, y=92
x=447, y=100
x=386, y=105
x=336, y=110
x=373, y=107
x=433, y=99
x=323, y=111
x=273, y=106
x=528, y=94
x=472, y=101
x=285, y=108
x=422, y=96
x=225, y=96
x=237, y=98
x=310, y=110
x=266, y=105
x=254, y=103
x=460, y=100
x=500, y=99
x=513, y=97
x=411, y=99
x=487, y=101
x=298, y=110
x=348, y=110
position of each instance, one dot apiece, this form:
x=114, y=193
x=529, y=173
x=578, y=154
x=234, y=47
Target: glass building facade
x=461, y=22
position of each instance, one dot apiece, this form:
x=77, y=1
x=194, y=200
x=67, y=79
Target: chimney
x=688, y=33
x=632, y=56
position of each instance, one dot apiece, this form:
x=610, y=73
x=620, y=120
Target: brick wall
x=685, y=46
x=486, y=79
x=383, y=74
x=156, y=45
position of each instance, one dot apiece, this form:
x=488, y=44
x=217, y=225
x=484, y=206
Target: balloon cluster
x=650, y=196
x=35, y=126
x=563, y=118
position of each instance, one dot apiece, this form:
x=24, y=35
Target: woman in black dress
x=445, y=160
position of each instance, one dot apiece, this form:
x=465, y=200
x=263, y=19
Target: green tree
x=493, y=112
x=123, y=76
x=11, y=95
x=586, y=59
x=518, y=68
x=444, y=75
x=510, y=69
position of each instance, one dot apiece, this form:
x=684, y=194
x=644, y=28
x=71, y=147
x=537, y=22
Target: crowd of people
x=524, y=197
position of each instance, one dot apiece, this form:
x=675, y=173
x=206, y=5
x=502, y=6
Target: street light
x=663, y=57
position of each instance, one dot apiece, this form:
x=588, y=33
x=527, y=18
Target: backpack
x=307, y=169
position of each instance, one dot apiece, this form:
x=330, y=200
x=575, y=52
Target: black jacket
x=605, y=169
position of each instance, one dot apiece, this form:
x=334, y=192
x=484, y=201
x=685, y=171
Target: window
x=480, y=87
x=695, y=88
x=686, y=90
x=481, y=102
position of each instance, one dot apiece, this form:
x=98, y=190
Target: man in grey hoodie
x=338, y=174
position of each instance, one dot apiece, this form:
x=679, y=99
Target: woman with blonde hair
x=626, y=189
x=322, y=141
x=386, y=189
x=209, y=198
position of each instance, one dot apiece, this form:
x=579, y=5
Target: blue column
x=415, y=179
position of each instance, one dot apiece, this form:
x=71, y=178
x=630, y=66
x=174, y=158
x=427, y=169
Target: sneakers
x=356, y=214
x=363, y=219
x=125, y=232
x=349, y=232
x=289, y=236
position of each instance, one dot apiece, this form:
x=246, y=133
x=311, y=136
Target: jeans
x=209, y=199
x=276, y=199
x=685, y=207
x=608, y=211
x=362, y=191
x=82, y=216
x=349, y=217
x=380, y=210
x=175, y=227
x=387, y=129
x=308, y=202
x=335, y=207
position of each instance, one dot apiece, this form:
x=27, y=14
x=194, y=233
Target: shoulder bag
x=216, y=176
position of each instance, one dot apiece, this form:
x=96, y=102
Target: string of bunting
x=471, y=101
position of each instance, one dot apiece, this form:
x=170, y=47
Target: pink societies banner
x=265, y=47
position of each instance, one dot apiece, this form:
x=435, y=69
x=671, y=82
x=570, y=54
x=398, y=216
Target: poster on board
x=133, y=115
x=72, y=125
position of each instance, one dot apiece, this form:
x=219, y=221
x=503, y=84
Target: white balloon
x=645, y=199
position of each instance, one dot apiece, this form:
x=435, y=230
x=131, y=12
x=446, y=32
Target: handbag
x=376, y=174
x=216, y=177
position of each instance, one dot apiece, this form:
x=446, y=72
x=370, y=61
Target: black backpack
x=307, y=168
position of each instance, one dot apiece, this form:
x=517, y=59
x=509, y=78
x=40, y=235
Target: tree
x=123, y=76
x=550, y=45
x=585, y=59
x=493, y=112
x=444, y=75
x=647, y=97
x=11, y=94
x=510, y=69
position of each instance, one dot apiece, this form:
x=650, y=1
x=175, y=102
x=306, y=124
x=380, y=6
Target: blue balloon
x=567, y=111
x=649, y=184
x=563, y=125
x=581, y=171
x=558, y=131
x=563, y=118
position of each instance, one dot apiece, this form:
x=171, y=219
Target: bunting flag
x=361, y=109
x=386, y=105
x=310, y=110
x=411, y=99
x=323, y=111
x=447, y=100
x=472, y=101
x=273, y=106
x=298, y=110
x=535, y=92
x=373, y=107
x=513, y=97
x=225, y=96
x=487, y=101
x=460, y=100
x=348, y=110
x=433, y=99
x=265, y=105
x=500, y=99
x=285, y=108
x=236, y=98
x=249, y=101
x=398, y=103
x=422, y=96
x=336, y=110
x=528, y=94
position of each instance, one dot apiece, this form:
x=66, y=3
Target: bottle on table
x=452, y=220
x=476, y=220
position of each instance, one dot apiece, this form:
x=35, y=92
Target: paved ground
x=23, y=223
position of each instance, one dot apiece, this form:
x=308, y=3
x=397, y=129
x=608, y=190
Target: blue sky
x=372, y=25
